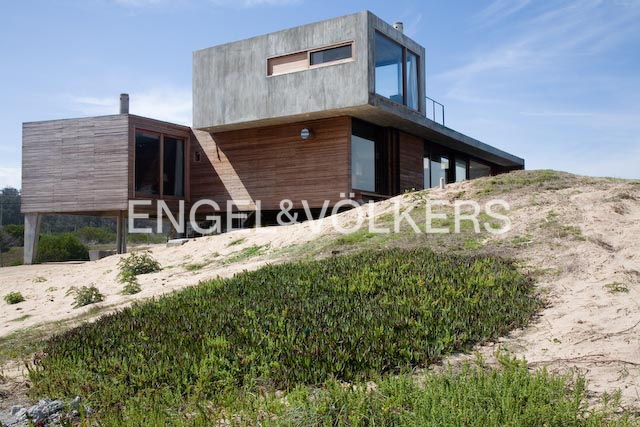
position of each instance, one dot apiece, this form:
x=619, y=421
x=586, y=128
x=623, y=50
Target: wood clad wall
x=411, y=163
x=273, y=163
x=75, y=165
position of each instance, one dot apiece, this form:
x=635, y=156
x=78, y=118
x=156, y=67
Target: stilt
x=31, y=235
x=121, y=234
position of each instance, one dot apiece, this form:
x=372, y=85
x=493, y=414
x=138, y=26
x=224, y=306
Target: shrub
x=95, y=235
x=136, y=263
x=61, y=247
x=85, y=295
x=346, y=317
x=13, y=297
x=131, y=286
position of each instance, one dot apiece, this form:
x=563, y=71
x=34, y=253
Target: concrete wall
x=230, y=82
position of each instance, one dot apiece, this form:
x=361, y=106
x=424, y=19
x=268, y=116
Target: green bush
x=95, y=235
x=85, y=295
x=13, y=297
x=15, y=230
x=131, y=286
x=61, y=247
x=348, y=317
x=144, y=238
x=136, y=263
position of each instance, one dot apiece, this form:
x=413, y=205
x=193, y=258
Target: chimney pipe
x=124, y=103
x=398, y=26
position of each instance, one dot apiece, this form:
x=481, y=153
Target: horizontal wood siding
x=75, y=165
x=411, y=163
x=273, y=163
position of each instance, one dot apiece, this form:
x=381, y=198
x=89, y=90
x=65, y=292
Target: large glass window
x=388, y=56
x=150, y=160
x=439, y=169
x=461, y=170
x=478, y=170
x=412, y=81
x=363, y=164
x=173, y=171
x=147, y=163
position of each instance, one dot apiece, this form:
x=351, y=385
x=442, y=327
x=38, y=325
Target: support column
x=32, y=223
x=121, y=234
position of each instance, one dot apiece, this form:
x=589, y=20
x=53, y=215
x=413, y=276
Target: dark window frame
x=404, y=71
x=185, y=172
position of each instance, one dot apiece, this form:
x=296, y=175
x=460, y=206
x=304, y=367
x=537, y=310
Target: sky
x=556, y=82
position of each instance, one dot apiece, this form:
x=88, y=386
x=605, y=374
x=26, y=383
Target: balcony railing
x=434, y=110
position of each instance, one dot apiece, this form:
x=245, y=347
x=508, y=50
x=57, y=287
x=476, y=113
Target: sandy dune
x=578, y=240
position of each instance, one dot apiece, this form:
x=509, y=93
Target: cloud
x=162, y=103
x=10, y=177
x=499, y=10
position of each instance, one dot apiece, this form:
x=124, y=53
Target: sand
x=585, y=326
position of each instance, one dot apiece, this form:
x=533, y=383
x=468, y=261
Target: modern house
x=318, y=112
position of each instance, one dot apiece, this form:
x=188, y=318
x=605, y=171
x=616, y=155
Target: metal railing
x=434, y=109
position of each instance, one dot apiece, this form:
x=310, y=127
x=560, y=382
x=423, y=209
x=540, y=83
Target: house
x=319, y=112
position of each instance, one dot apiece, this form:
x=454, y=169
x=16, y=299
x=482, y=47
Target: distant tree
x=10, y=206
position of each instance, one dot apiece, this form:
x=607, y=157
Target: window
x=159, y=171
x=412, y=81
x=173, y=171
x=287, y=64
x=426, y=177
x=363, y=164
x=478, y=170
x=461, y=170
x=439, y=169
x=300, y=61
x=330, y=55
x=396, y=66
x=389, y=79
x=147, y=163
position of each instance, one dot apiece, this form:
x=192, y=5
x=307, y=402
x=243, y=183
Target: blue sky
x=554, y=81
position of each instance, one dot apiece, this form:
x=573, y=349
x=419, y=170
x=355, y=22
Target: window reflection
x=363, y=168
x=461, y=170
x=478, y=170
x=388, y=56
x=147, y=163
x=439, y=168
x=412, y=81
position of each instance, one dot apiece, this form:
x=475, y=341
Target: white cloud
x=162, y=103
x=10, y=177
x=499, y=10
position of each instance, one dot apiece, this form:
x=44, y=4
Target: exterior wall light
x=305, y=134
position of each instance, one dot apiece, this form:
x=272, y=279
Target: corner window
x=389, y=80
x=159, y=165
x=395, y=68
x=412, y=81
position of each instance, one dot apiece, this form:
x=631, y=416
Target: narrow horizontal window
x=287, y=63
x=300, y=61
x=331, y=54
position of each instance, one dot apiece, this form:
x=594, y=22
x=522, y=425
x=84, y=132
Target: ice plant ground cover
x=348, y=318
